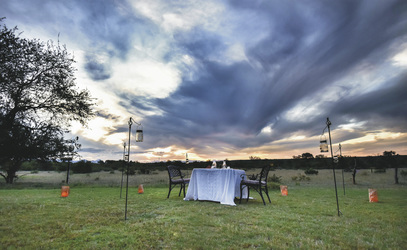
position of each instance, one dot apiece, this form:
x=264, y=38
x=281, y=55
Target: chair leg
x=262, y=197
x=184, y=189
x=169, y=191
x=180, y=190
x=241, y=194
x=248, y=193
x=267, y=193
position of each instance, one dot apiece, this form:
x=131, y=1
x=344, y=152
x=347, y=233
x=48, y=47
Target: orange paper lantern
x=140, y=189
x=284, y=190
x=373, y=195
x=64, y=191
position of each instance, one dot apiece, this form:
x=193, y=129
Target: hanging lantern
x=323, y=144
x=139, y=133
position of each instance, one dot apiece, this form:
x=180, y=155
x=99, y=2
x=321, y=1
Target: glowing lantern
x=140, y=189
x=323, y=144
x=139, y=133
x=64, y=191
x=373, y=195
x=284, y=190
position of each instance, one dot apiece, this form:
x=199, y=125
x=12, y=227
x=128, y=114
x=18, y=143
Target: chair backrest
x=264, y=173
x=174, y=172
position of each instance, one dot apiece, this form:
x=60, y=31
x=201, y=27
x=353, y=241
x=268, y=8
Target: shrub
x=274, y=185
x=274, y=178
x=310, y=171
x=82, y=167
x=403, y=173
x=144, y=171
x=380, y=170
x=300, y=177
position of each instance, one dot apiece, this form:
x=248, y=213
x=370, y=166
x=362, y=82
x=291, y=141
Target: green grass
x=93, y=217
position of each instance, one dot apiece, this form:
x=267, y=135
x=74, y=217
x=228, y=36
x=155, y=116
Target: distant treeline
x=347, y=163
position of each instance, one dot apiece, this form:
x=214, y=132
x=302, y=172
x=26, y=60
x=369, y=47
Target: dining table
x=215, y=184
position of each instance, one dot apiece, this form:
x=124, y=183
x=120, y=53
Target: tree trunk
x=396, y=177
x=353, y=176
x=11, y=175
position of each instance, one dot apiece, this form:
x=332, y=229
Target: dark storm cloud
x=341, y=44
x=307, y=47
x=293, y=51
x=97, y=71
x=107, y=115
x=383, y=108
x=109, y=26
x=91, y=150
x=105, y=27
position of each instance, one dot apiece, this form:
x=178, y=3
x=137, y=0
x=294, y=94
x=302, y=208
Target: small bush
x=300, y=177
x=380, y=170
x=131, y=171
x=403, y=173
x=310, y=171
x=274, y=178
x=82, y=167
x=144, y=171
x=274, y=186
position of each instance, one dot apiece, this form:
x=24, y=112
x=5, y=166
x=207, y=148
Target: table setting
x=216, y=184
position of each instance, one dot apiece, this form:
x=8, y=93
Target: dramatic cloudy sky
x=232, y=79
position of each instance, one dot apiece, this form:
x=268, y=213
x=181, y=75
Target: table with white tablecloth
x=214, y=184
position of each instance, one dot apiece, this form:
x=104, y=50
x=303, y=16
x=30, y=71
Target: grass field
x=93, y=215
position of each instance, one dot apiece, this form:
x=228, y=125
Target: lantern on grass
x=373, y=195
x=140, y=189
x=64, y=191
x=284, y=190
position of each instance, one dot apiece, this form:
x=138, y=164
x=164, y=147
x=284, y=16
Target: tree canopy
x=39, y=100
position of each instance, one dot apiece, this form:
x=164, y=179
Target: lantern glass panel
x=139, y=135
x=323, y=147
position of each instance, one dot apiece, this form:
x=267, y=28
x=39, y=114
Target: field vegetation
x=92, y=216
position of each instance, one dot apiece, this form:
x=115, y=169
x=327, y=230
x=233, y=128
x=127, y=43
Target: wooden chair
x=260, y=185
x=176, y=178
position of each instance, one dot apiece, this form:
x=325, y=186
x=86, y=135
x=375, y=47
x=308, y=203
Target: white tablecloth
x=221, y=185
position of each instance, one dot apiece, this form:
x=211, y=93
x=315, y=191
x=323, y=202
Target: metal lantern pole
x=343, y=177
x=139, y=138
x=328, y=124
x=68, y=170
x=74, y=144
x=124, y=160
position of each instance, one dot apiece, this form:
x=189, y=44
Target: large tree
x=39, y=100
